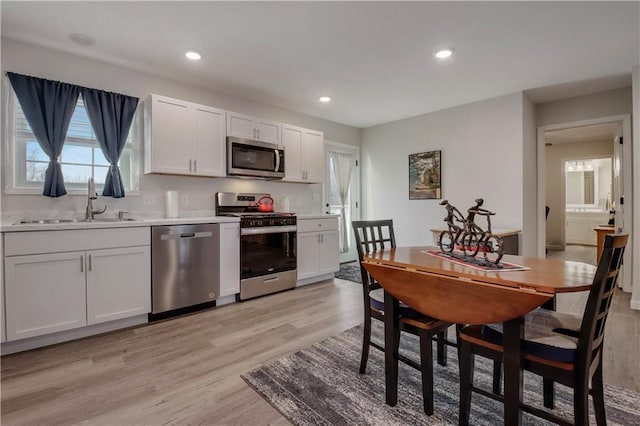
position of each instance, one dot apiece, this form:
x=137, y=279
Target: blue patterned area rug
x=350, y=272
x=320, y=385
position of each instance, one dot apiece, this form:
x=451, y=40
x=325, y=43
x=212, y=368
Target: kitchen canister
x=171, y=203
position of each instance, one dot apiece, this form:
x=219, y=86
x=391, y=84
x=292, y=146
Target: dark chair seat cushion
x=547, y=334
x=377, y=302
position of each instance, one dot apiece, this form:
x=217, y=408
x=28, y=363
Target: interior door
x=332, y=200
x=621, y=182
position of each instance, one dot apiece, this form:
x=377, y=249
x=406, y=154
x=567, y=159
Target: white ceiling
x=373, y=58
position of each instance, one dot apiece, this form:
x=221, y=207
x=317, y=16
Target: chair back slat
x=599, y=301
x=371, y=236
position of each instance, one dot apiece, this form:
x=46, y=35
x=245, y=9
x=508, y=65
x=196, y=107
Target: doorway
x=342, y=193
x=577, y=145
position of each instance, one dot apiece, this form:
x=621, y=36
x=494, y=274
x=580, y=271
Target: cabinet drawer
x=310, y=225
x=21, y=243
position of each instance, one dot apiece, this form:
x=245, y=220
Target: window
x=80, y=159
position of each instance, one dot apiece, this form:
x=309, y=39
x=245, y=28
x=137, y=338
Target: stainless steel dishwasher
x=185, y=265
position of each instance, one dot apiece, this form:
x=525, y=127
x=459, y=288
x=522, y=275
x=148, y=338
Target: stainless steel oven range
x=267, y=244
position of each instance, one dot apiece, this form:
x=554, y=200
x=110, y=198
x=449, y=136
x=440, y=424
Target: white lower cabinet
x=580, y=227
x=44, y=294
x=118, y=283
x=229, y=259
x=106, y=277
x=317, y=248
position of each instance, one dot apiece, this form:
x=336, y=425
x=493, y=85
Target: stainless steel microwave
x=254, y=158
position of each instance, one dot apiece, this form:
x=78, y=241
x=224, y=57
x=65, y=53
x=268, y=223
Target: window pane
x=76, y=174
x=99, y=157
x=76, y=154
x=34, y=152
x=80, y=126
x=100, y=174
x=35, y=171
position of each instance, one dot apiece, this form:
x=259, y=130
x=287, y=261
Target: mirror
x=588, y=184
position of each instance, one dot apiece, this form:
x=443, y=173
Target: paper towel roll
x=171, y=204
x=285, y=205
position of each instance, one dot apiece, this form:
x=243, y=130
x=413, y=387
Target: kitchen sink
x=57, y=221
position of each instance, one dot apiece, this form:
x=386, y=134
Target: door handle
x=277, y=160
x=195, y=166
x=90, y=263
x=189, y=165
x=81, y=263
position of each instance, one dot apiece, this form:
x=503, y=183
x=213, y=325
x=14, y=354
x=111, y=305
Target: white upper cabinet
x=209, y=141
x=292, y=141
x=304, y=154
x=247, y=127
x=183, y=138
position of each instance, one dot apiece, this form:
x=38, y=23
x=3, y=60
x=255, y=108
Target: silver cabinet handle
x=90, y=263
x=322, y=238
x=258, y=133
x=81, y=263
x=195, y=166
x=189, y=165
x=255, y=134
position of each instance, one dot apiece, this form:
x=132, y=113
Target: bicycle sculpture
x=465, y=235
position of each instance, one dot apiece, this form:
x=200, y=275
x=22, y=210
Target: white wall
x=555, y=156
x=42, y=62
x=596, y=105
x=635, y=298
x=482, y=151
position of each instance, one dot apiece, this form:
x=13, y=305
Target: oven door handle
x=268, y=230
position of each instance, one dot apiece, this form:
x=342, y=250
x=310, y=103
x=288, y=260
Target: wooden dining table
x=461, y=294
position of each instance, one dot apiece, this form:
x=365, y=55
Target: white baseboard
x=65, y=336
x=315, y=279
x=226, y=300
x=635, y=304
x=555, y=247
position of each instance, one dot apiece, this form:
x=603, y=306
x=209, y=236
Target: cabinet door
x=329, y=248
x=268, y=131
x=44, y=294
x=308, y=254
x=576, y=232
x=292, y=141
x=241, y=126
x=118, y=283
x=313, y=152
x=229, y=259
x=208, y=141
x=170, y=138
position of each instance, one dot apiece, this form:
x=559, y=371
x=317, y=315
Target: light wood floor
x=187, y=370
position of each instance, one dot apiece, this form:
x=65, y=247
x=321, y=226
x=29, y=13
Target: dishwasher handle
x=186, y=235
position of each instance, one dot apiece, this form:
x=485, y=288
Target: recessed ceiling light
x=325, y=99
x=194, y=56
x=443, y=53
x=82, y=39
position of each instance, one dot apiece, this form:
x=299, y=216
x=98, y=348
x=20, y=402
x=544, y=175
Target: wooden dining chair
x=559, y=347
x=376, y=235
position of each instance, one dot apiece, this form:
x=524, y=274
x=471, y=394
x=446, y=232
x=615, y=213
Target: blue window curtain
x=111, y=115
x=48, y=107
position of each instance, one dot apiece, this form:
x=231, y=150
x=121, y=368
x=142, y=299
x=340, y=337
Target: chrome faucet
x=92, y=195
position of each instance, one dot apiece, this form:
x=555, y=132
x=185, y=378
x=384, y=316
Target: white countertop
x=8, y=226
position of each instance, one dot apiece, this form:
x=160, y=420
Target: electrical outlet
x=148, y=199
x=184, y=199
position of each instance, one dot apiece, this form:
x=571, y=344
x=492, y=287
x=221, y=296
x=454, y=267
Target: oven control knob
x=272, y=222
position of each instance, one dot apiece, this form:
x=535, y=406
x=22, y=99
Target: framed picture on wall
x=425, y=176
